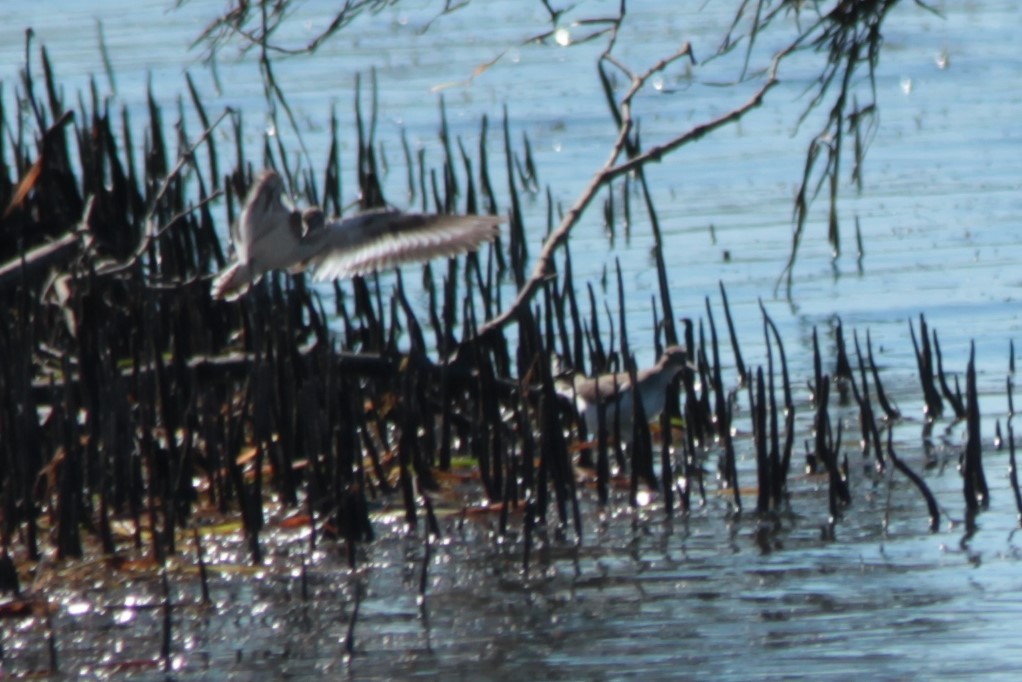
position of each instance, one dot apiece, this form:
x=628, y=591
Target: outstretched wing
x=264, y=229
x=382, y=239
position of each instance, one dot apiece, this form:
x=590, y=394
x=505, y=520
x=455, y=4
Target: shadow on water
x=278, y=487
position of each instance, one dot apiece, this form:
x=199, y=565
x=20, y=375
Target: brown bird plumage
x=604, y=391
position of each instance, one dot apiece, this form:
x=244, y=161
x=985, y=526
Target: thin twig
x=612, y=169
x=153, y=233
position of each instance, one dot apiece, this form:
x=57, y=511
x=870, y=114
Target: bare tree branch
x=255, y=22
x=152, y=231
x=612, y=169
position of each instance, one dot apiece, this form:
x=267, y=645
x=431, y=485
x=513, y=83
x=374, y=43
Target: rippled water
x=708, y=596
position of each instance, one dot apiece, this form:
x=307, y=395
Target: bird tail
x=233, y=282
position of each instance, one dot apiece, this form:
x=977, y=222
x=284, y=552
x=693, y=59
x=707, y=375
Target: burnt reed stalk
x=739, y=362
x=954, y=398
x=917, y=481
x=784, y=465
x=890, y=411
x=1013, y=473
x=977, y=494
x=1012, y=465
x=699, y=424
x=758, y=409
x=837, y=486
x=867, y=418
x=776, y=478
x=924, y=361
x=703, y=425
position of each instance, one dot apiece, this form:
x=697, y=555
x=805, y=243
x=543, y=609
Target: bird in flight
x=273, y=235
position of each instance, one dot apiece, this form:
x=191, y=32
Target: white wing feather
x=264, y=216
x=378, y=240
x=265, y=239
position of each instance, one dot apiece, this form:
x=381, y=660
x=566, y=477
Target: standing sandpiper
x=607, y=390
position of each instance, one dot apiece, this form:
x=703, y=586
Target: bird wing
x=381, y=239
x=263, y=228
x=607, y=386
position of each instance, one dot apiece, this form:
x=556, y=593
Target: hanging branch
x=254, y=22
x=613, y=169
x=850, y=37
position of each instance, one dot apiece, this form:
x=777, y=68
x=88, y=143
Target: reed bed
x=131, y=399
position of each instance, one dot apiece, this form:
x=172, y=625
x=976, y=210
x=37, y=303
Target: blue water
x=939, y=217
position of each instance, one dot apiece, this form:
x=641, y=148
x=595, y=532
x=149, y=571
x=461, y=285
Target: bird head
x=676, y=359
x=313, y=220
